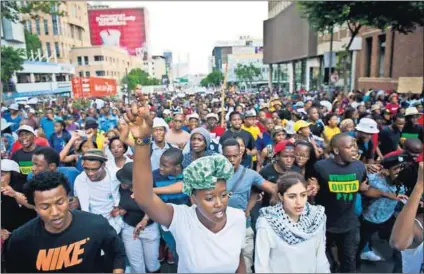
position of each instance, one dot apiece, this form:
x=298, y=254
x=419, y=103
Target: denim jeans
x=347, y=245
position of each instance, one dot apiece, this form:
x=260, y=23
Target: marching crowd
x=269, y=183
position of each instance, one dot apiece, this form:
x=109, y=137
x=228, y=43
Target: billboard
x=83, y=87
x=125, y=28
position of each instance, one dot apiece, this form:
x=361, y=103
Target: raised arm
x=140, y=124
x=64, y=157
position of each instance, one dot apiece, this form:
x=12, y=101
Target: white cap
x=193, y=116
x=4, y=124
x=212, y=115
x=167, y=111
x=31, y=110
x=9, y=165
x=26, y=106
x=33, y=101
x=3, y=109
x=326, y=104
x=289, y=129
x=367, y=125
x=14, y=106
x=250, y=113
x=159, y=122
x=25, y=128
x=411, y=111
x=215, y=100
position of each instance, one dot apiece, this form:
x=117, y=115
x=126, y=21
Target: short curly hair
x=43, y=182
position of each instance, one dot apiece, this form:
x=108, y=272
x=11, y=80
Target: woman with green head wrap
x=209, y=235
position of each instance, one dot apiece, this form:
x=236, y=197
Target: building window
x=63, y=50
x=55, y=25
x=100, y=73
x=79, y=59
x=74, y=11
x=46, y=27
x=49, y=49
x=85, y=60
x=79, y=33
x=57, y=49
x=381, y=54
x=81, y=73
x=368, y=44
x=72, y=31
x=87, y=73
x=98, y=58
x=37, y=26
x=23, y=78
x=29, y=26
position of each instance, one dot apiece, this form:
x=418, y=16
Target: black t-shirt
x=134, y=213
x=388, y=140
x=248, y=139
x=75, y=250
x=365, y=150
x=339, y=186
x=14, y=215
x=413, y=131
x=24, y=160
x=316, y=129
x=270, y=174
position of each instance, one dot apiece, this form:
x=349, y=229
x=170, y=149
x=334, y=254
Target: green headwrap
x=204, y=172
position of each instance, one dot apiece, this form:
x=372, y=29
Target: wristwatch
x=142, y=141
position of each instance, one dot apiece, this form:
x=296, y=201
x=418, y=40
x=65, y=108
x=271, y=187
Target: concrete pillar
x=270, y=77
x=53, y=77
x=290, y=68
x=353, y=70
x=374, y=56
x=32, y=77
x=307, y=75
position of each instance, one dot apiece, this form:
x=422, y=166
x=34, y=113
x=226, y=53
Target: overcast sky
x=194, y=27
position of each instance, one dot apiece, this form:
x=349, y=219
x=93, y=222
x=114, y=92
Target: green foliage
x=11, y=61
x=401, y=16
x=247, y=73
x=139, y=77
x=214, y=78
x=12, y=9
x=33, y=43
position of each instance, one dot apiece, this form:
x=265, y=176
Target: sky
x=194, y=27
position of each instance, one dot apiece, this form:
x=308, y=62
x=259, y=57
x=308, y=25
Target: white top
x=412, y=259
x=111, y=166
x=109, y=154
x=202, y=251
x=274, y=255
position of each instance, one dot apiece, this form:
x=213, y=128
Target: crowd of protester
x=271, y=183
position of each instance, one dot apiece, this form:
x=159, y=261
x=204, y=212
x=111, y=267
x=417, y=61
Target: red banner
x=83, y=87
x=124, y=28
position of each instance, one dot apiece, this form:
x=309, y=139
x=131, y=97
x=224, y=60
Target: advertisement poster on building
x=85, y=87
x=124, y=28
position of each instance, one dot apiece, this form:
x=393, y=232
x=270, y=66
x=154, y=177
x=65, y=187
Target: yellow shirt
x=255, y=131
x=329, y=133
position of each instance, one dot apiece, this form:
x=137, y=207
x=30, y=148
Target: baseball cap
x=282, y=146
x=367, y=125
x=300, y=124
x=9, y=165
x=250, y=113
x=193, y=116
x=290, y=128
x=393, y=160
x=263, y=106
x=25, y=128
x=276, y=130
x=326, y=104
x=31, y=110
x=300, y=104
x=14, y=107
x=95, y=155
x=91, y=123
x=212, y=115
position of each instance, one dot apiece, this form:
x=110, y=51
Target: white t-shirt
x=111, y=165
x=202, y=251
x=101, y=199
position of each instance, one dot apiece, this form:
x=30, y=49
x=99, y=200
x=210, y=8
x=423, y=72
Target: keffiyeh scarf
x=310, y=222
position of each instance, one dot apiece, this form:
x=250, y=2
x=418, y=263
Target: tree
x=139, y=77
x=32, y=42
x=400, y=16
x=247, y=73
x=12, y=9
x=11, y=61
x=214, y=78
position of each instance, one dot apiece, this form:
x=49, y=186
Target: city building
x=169, y=64
x=12, y=34
x=222, y=49
x=290, y=46
x=103, y=61
x=156, y=67
x=59, y=34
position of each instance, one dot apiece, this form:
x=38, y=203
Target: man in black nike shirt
x=60, y=240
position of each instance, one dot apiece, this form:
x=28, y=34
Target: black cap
x=394, y=160
x=91, y=123
x=124, y=175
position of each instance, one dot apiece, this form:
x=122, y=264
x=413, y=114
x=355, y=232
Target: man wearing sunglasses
x=96, y=190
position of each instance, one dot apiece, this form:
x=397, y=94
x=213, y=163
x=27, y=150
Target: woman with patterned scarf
x=290, y=235
x=209, y=235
